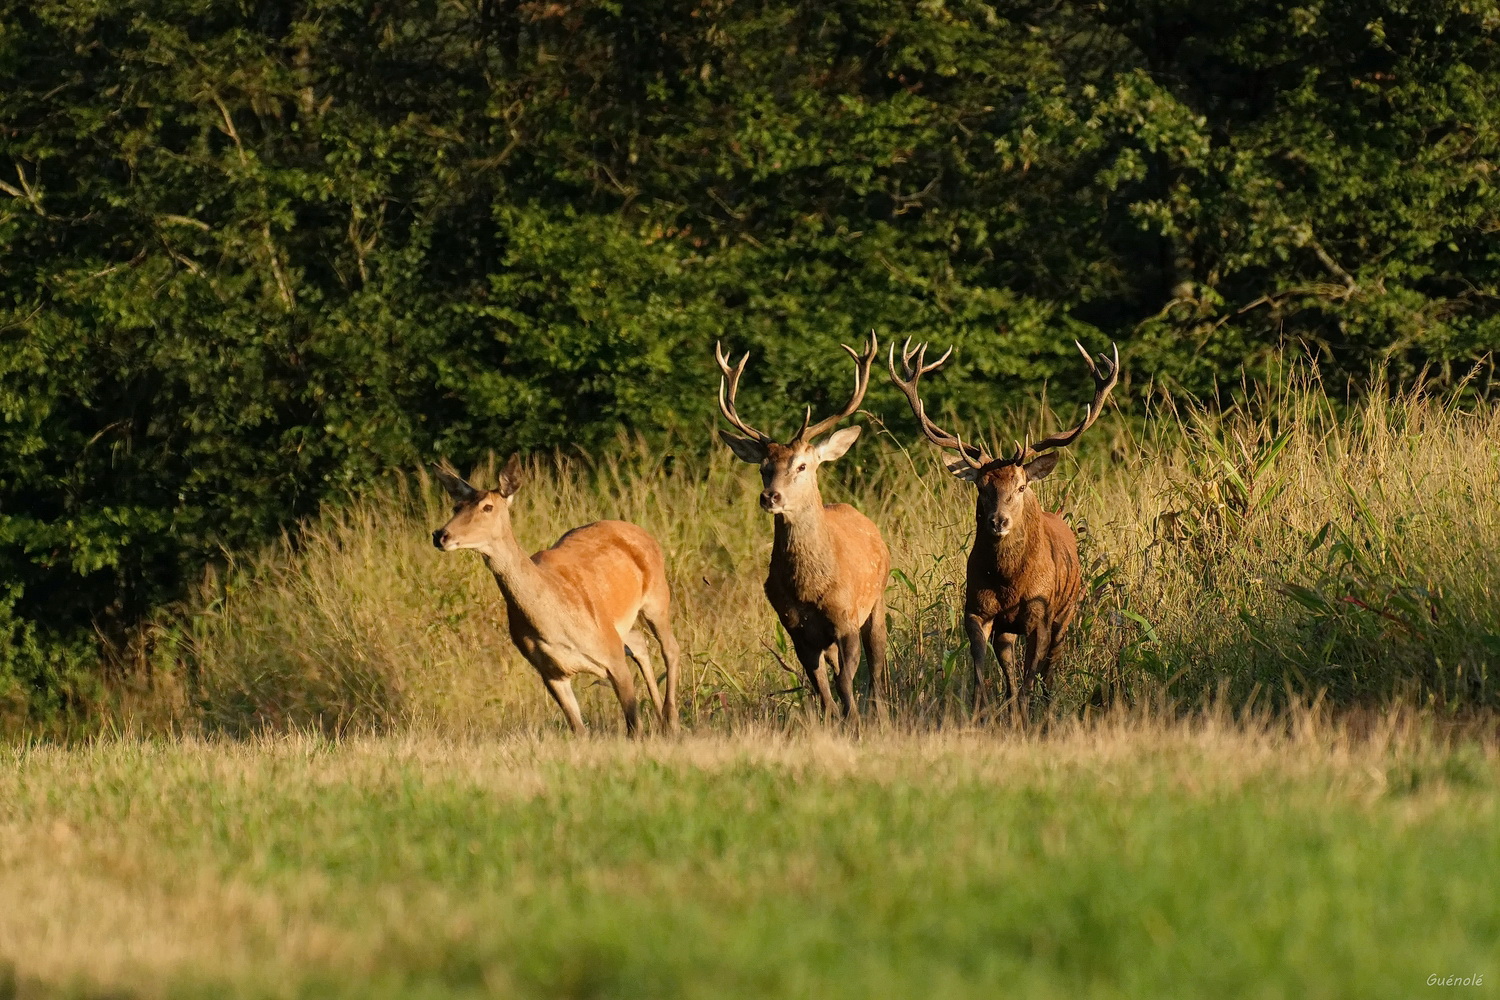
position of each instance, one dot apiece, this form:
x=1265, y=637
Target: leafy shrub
x=253, y=256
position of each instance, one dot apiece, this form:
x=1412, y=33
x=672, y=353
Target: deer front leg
x=979, y=637
x=810, y=656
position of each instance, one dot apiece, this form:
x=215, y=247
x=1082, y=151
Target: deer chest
x=799, y=614
x=1002, y=604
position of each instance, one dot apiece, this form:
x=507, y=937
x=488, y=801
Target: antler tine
x=977, y=458
x=862, y=365
x=920, y=353
x=1104, y=383
x=730, y=382
x=976, y=461
x=806, y=419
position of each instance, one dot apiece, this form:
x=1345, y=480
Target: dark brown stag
x=1023, y=576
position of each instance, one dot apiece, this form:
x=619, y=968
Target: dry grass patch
x=1263, y=553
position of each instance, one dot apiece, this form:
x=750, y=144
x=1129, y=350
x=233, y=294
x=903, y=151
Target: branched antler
x=729, y=385
x=1106, y=373
x=914, y=366
x=862, y=364
x=1104, y=383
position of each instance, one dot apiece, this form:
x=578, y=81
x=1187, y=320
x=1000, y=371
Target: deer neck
x=803, y=545
x=521, y=581
x=1011, y=552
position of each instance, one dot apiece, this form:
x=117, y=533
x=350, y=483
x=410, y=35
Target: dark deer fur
x=1023, y=573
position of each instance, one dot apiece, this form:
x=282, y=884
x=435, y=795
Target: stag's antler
x=862, y=364
x=1104, y=383
x=1106, y=373
x=914, y=366
x=729, y=385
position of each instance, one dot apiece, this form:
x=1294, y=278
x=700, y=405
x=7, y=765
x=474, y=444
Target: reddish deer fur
x=1023, y=572
x=829, y=564
x=572, y=608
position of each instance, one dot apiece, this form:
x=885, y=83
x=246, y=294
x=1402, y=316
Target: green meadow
x=1136, y=856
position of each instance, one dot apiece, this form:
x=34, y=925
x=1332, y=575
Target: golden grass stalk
x=1275, y=549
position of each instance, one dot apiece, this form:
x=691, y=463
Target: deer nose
x=439, y=537
x=1003, y=523
x=769, y=499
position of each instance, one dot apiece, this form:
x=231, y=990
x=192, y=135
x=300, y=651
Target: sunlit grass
x=1276, y=548
x=1134, y=856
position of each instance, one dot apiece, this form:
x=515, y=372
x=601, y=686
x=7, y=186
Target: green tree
x=254, y=254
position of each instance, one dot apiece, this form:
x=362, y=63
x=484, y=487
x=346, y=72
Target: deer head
x=1002, y=482
x=789, y=471
x=479, y=516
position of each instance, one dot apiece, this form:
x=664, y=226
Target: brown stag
x=1023, y=573
x=572, y=608
x=828, y=562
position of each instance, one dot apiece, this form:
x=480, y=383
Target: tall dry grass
x=1281, y=547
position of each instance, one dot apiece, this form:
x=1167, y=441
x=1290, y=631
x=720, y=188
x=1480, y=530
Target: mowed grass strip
x=1132, y=858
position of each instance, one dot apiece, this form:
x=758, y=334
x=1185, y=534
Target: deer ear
x=510, y=477
x=962, y=470
x=455, y=485
x=1041, y=468
x=745, y=449
x=837, y=443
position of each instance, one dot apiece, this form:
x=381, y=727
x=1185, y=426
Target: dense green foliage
x=252, y=254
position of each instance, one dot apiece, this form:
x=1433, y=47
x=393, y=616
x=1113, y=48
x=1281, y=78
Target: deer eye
x=489, y=507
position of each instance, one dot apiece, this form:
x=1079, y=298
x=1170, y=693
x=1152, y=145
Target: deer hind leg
x=979, y=637
x=1004, y=644
x=561, y=690
x=848, y=655
x=1044, y=669
x=1038, y=651
x=657, y=621
x=623, y=681
x=873, y=635
x=635, y=648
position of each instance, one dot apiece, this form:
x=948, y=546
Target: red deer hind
x=572, y=608
x=828, y=562
x=1023, y=573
